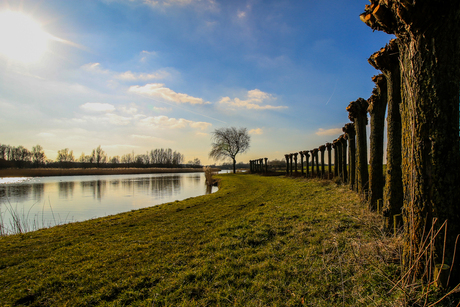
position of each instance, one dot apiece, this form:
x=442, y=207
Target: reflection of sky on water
x=77, y=198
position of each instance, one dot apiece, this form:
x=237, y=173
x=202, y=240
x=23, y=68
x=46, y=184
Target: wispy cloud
x=96, y=68
x=256, y=131
x=160, y=91
x=172, y=123
x=333, y=131
x=203, y=4
x=255, y=100
x=97, y=107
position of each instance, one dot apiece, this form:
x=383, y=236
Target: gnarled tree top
x=357, y=108
x=349, y=129
x=386, y=57
x=377, y=93
x=322, y=148
x=401, y=17
x=314, y=151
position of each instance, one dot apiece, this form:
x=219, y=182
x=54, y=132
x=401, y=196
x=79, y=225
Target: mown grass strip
x=258, y=241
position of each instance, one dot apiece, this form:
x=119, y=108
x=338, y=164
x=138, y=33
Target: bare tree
x=38, y=155
x=228, y=142
x=64, y=155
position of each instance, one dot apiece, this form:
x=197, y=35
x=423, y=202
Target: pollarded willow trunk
x=316, y=150
x=266, y=165
x=376, y=109
x=357, y=113
x=290, y=162
x=343, y=141
x=307, y=161
x=349, y=130
x=322, y=148
x=336, y=158
x=295, y=162
x=287, y=164
x=387, y=60
x=430, y=76
x=338, y=144
x=329, y=162
x=312, y=163
x=301, y=162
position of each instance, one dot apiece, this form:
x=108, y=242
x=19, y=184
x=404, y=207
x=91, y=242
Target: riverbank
x=43, y=172
x=258, y=241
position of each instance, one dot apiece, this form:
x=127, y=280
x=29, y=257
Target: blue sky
x=135, y=75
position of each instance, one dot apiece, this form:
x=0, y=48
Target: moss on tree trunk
x=387, y=60
x=349, y=129
x=358, y=115
x=376, y=109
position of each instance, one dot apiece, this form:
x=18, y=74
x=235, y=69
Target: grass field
x=40, y=172
x=258, y=241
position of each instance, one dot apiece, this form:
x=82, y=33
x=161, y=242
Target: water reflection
x=85, y=197
x=66, y=189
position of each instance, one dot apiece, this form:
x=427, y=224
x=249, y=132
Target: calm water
x=47, y=201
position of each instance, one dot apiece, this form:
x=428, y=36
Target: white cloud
x=146, y=54
x=97, y=107
x=172, y=123
x=207, y=4
x=256, y=131
x=333, y=131
x=130, y=76
x=254, y=101
x=129, y=110
x=46, y=134
x=142, y=137
x=241, y=14
x=158, y=90
x=96, y=68
x=118, y=120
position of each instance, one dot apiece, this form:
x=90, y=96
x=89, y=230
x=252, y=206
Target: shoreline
x=47, y=172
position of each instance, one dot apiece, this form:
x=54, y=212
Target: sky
x=135, y=75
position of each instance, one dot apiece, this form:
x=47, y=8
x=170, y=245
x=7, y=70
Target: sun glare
x=21, y=38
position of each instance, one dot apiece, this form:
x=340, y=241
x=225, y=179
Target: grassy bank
x=258, y=241
x=41, y=172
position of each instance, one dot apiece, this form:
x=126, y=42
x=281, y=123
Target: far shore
x=43, y=172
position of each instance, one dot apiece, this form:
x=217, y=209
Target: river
x=34, y=203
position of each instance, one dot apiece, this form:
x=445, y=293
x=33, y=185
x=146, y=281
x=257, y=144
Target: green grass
x=258, y=241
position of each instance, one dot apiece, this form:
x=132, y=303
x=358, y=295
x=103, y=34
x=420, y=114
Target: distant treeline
x=273, y=164
x=21, y=157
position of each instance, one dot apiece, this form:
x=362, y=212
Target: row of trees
x=20, y=156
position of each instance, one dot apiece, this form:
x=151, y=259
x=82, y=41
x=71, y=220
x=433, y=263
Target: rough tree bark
x=343, y=140
x=307, y=161
x=301, y=162
x=322, y=148
x=312, y=162
x=287, y=164
x=357, y=113
x=329, y=162
x=295, y=162
x=315, y=153
x=430, y=77
x=336, y=158
x=387, y=61
x=349, y=129
x=377, y=107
